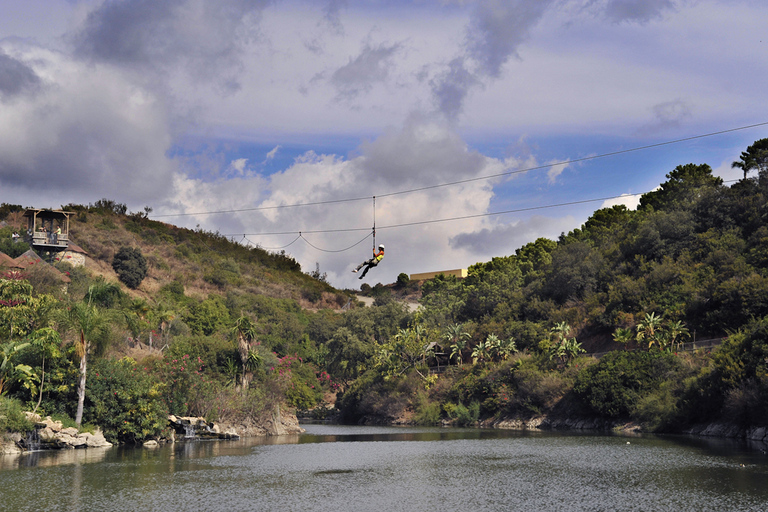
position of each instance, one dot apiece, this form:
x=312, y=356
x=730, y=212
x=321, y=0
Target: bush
x=131, y=266
x=427, y=412
x=462, y=415
x=12, y=417
x=124, y=399
x=613, y=386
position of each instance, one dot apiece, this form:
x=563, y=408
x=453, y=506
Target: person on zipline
x=368, y=264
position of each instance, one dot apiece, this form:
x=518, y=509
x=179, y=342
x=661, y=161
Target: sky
x=460, y=129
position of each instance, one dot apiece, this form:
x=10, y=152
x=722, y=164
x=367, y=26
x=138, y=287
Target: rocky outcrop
x=195, y=427
x=728, y=430
x=49, y=434
x=278, y=423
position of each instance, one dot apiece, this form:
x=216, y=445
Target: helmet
x=381, y=246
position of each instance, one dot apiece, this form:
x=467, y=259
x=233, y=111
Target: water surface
x=339, y=468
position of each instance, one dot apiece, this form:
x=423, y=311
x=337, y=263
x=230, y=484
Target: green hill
x=505, y=344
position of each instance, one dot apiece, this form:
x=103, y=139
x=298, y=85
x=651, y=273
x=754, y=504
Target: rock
x=47, y=435
x=33, y=417
x=66, y=440
x=96, y=440
x=150, y=444
x=55, y=425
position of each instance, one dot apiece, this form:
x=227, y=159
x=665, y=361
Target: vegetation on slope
x=229, y=332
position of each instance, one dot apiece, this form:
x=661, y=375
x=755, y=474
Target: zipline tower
x=43, y=228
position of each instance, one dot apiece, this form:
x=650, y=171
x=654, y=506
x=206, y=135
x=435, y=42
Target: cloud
x=332, y=14
x=451, y=88
x=631, y=201
x=207, y=38
x=497, y=28
x=635, y=11
x=555, y=171
x=272, y=153
x=494, y=32
x=421, y=152
x=667, y=115
x=87, y=133
x=16, y=77
x=371, y=66
x=503, y=239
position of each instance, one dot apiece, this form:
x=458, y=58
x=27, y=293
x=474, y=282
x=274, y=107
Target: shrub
x=613, y=386
x=124, y=399
x=462, y=415
x=427, y=411
x=12, y=418
x=131, y=266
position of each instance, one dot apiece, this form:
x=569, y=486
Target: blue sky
x=251, y=106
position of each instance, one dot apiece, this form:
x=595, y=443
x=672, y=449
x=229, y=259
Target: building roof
x=73, y=247
x=8, y=262
x=30, y=259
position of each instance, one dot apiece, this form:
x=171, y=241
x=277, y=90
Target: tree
x=457, y=337
x=564, y=348
x=9, y=370
x=46, y=341
x=91, y=326
x=245, y=331
x=649, y=330
x=623, y=336
x=683, y=186
x=131, y=266
x=755, y=157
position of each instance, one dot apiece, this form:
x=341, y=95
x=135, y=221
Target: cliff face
x=279, y=423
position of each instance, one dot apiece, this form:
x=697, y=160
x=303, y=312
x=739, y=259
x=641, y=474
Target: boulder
x=95, y=440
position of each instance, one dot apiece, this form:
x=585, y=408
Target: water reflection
x=339, y=468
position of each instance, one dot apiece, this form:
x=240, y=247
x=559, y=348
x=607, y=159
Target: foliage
x=130, y=265
x=462, y=415
x=12, y=418
x=612, y=387
x=123, y=399
x=8, y=246
x=11, y=371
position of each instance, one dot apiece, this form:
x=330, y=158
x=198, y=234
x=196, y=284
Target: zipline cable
x=449, y=219
x=480, y=178
x=334, y=251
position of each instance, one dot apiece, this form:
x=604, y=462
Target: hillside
x=504, y=345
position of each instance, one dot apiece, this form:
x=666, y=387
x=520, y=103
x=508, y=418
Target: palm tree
x=648, y=330
x=677, y=330
x=623, y=336
x=493, y=345
x=480, y=352
x=457, y=337
x=245, y=330
x=507, y=348
x=91, y=326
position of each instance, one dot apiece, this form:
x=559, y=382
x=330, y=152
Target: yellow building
x=460, y=273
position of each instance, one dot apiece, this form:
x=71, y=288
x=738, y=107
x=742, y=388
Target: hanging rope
x=272, y=248
x=374, y=223
x=328, y=250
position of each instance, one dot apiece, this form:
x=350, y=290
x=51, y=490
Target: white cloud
x=631, y=201
x=272, y=153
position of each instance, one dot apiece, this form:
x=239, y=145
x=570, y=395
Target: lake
x=349, y=468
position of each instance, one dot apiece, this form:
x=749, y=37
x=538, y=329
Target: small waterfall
x=32, y=441
x=189, y=431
